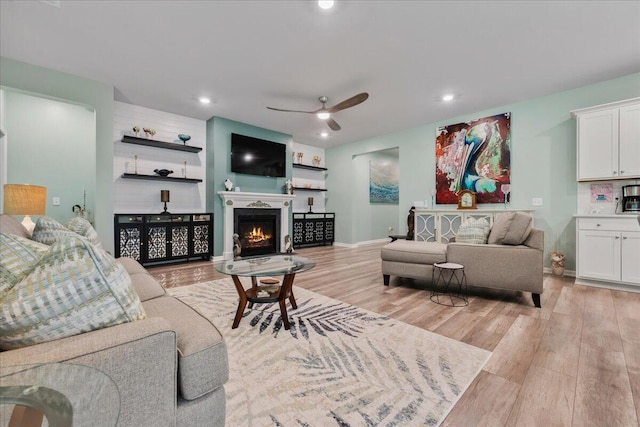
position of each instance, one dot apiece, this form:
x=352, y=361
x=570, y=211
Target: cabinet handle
x=617, y=237
x=597, y=225
x=621, y=172
x=624, y=238
x=615, y=173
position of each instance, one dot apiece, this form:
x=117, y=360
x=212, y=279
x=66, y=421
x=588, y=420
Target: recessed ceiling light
x=325, y=4
x=324, y=134
x=205, y=100
x=447, y=97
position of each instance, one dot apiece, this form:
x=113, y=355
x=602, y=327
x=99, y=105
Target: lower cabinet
x=163, y=238
x=313, y=229
x=609, y=250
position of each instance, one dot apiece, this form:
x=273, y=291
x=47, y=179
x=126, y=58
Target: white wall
x=142, y=196
x=304, y=177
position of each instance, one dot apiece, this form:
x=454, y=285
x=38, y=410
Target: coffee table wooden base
x=251, y=296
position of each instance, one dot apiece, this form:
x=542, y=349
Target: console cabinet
x=313, y=229
x=609, y=250
x=163, y=238
x=609, y=141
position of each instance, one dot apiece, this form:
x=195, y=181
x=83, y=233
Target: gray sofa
x=514, y=268
x=169, y=368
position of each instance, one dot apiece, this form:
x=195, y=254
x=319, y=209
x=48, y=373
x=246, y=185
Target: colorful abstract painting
x=476, y=156
x=384, y=181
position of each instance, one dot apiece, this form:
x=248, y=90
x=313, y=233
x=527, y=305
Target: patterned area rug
x=338, y=365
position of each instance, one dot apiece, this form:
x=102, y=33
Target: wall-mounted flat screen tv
x=256, y=156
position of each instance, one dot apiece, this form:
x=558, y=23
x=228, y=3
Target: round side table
x=446, y=291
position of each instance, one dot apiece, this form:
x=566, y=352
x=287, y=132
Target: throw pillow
x=84, y=228
x=510, y=228
x=473, y=231
x=17, y=257
x=48, y=230
x=74, y=288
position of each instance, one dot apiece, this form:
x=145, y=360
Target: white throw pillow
x=473, y=231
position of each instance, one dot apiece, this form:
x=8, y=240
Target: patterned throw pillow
x=17, y=257
x=84, y=228
x=75, y=287
x=48, y=230
x=473, y=231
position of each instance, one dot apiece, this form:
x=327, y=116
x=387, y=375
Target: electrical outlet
x=56, y=201
x=536, y=201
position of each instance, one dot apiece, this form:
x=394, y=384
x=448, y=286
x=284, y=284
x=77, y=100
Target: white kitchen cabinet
x=609, y=141
x=608, y=250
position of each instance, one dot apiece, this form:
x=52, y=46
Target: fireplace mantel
x=237, y=199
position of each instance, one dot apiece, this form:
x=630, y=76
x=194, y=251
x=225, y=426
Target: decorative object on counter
x=288, y=186
x=411, y=222
x=288, y=248
x=310, y=203
x=316, y=160
x=228, y=185
x=300, y=157
x=184, y=138
x=557, y=263
x=164, y=197
x=237, y=247
x=136, y=130
x=505, y=189
x=163, y=172
x=82, y=211
x=27, y=200
x=148, y=131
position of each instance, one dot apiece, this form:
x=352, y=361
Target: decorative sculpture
x=237, y=247
x=288, y=247
x=228, y=184
x=289, y=186
x=411, y=222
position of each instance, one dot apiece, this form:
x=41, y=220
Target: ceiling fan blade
x=351, y=102
x=333, y=124
x=290, y=111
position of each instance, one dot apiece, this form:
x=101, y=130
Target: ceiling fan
x=325, y=113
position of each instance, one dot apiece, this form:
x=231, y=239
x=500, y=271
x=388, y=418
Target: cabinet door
x=202, y=235
x=630, y=141
x=157, y=238
x=448, y=224
x=598, y=145
x=631, y=257
x=599, y=255
x=129, y=239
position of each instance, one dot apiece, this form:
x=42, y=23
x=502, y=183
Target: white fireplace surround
x=240, y=200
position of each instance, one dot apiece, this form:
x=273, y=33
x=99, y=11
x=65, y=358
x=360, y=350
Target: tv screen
x=255, y=156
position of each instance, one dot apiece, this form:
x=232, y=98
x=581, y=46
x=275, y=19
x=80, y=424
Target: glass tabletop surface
x=81, y=394
x=273, y=265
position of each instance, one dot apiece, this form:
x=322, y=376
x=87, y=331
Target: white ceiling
x=247, y=55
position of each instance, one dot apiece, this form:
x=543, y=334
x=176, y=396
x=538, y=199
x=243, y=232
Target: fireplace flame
x=256, y=235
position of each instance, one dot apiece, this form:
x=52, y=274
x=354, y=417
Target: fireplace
x=258, y=230
x=257, y=204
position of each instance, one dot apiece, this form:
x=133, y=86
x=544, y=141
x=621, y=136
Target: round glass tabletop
x=274, y=265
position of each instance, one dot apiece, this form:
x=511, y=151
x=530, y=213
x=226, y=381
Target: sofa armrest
x=140, y=357
x=499, y=266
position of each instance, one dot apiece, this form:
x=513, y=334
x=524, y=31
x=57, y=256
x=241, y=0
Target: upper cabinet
x=609, y=141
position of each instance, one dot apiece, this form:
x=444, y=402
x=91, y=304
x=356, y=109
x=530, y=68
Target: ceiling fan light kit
x=325, y=113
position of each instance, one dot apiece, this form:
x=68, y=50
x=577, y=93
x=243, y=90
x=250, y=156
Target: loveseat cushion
x=203, y=364
x=410, y=251
x=144, y=284
x=74, y=287
x=84, y=228
x=510, y=228
x=17, y=257
x=48, y=230
x=473, y=230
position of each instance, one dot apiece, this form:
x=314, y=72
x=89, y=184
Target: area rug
x=338, y=365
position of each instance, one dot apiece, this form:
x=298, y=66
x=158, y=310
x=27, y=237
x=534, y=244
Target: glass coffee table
x=266, y=266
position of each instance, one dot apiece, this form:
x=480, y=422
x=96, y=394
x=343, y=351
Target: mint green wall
x=43, y=133
x=543, y=162
x=219, y=132
x=99, y=96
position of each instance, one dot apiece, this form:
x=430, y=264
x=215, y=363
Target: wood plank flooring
x=575, y=362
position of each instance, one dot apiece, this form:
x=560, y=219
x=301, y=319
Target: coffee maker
x=631, y=198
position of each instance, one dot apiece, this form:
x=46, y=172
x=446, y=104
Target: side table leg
x=242, y=304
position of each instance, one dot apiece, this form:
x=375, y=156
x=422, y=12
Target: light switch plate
x=536, y=201
x=56, y=201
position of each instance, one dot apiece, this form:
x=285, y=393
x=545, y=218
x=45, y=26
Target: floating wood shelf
x=159, y=178
x=313, y=168
x=159, y=144
x=309, y=189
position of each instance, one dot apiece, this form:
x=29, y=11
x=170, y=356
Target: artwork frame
x=384, y=182
x=475, y=156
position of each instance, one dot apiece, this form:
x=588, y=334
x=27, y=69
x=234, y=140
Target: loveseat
x=170, y=367
x=513, y=267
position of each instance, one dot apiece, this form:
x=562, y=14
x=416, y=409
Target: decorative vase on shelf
x=316, y=160
x=163, y=172
x=136, y=130
x=300, y=157
x=184, y=138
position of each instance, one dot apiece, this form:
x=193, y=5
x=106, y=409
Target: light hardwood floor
x=574, y=362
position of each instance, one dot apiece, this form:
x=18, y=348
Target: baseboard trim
x=363, y=243
x=609, y=285
x=570, y=273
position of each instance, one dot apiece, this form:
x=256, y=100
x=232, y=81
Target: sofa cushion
x=414, y=252
x=17, y=257
x=48, y=230
x=74, y=287
x=144, y=284
x=203, y=365
x=84, y=228
x=473, y=231
x=511, y=228
x=10, y=225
